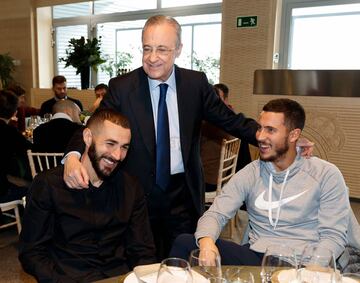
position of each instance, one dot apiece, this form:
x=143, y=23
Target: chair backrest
x=40, y=161
x=228, y=160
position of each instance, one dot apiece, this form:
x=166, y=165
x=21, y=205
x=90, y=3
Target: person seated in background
x=210, y=148
x=211, y=142
x=59, y=89
x=100, y=91
x=54, y=135
x=23, y=110
x=74, y=235
x=222, y=91
x=290, y=199
x=13, y=147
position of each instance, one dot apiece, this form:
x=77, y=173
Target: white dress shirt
x=176, y=160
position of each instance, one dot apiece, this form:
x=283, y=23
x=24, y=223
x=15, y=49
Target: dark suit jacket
x=129, y=94
x=54, y=135
x=13, y=146
x=46, y=106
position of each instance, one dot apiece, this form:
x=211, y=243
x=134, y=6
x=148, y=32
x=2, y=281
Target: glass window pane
x=117, y=6
x=63, y=35
x=207, y=50
x=121, y=44
x=177, y=3
x=71, y=10
x=336, y=48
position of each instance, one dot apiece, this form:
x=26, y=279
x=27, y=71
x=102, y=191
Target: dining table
x=255, y=270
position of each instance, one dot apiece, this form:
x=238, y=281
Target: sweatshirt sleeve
x=225, y=205
x=333, y=212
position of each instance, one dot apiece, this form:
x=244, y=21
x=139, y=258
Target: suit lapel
x=185, y=118
x=140, y=102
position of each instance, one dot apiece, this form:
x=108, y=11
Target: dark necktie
x=162, y=141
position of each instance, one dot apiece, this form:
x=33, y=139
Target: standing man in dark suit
x=59, y=88
x=175, y=197
x=54, y=135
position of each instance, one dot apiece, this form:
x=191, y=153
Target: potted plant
x=83, y=54
x=7, y=66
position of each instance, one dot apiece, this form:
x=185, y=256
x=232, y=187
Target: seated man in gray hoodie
x=290, y=199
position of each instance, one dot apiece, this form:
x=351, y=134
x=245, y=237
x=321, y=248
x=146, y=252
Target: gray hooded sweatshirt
x=313, y=208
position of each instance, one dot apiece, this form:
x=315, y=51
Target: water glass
x=205, y=262
x=317, y=264
x=278, y=258
x=174, y=270
x=47, y=117
x=238, y=275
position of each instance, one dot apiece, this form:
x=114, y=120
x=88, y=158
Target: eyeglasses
x=160, y=51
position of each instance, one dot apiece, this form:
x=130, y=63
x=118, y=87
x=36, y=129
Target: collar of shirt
x=57, y=99
x=61, y=116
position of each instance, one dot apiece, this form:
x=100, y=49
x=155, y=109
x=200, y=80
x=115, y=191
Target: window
x=320, y=36
x=118, y=24
x=63, y=35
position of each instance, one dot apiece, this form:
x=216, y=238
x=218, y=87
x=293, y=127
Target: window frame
x=93, y=20
x=286, y=27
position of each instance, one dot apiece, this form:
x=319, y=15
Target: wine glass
x=238, y=275
x=174, y=270
x=205, y=262
x=278, y=258
x=317, y=264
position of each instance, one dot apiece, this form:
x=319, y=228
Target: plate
x=151, y=278
x=131, y=278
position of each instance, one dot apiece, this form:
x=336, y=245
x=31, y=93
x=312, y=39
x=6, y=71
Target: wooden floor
x=11, y=271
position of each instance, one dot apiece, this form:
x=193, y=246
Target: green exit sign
x=246, y=22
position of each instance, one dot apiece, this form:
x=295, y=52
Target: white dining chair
x=40, y=161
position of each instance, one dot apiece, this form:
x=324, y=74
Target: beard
x=280, y=151
x=95, y=159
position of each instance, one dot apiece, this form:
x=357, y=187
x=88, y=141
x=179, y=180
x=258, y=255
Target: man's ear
x=294, y=135
x=87, y=136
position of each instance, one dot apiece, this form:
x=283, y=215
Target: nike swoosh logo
x=261, y=203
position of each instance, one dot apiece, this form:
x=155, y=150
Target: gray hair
x=160, y=19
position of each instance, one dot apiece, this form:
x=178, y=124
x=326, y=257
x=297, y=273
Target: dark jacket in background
x=54, y=135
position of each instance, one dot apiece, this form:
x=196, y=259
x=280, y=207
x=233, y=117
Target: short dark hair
x=294, y=113
x=98, y=118
x=223, y=88
x=101, y=86
x=8, y=104
x=58, y=80
x=16, y=89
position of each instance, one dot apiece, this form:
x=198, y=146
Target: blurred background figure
x=54, y=135
x=23, y=109
x=222, y=91
x=13, y=147
x=60, y=93
x=100, y=91
x=211, y=141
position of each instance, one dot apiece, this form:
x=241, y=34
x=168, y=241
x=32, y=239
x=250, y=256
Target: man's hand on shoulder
x=75, y=174
x=306, y=146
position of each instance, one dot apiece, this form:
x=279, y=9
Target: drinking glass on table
x=205, y=262
x=174, y=270
x=47, y=117
x=317, y=265
x=278, y=258
x=238, y=275
x=34, y=122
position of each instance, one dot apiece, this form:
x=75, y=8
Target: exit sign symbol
x=249, y=21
